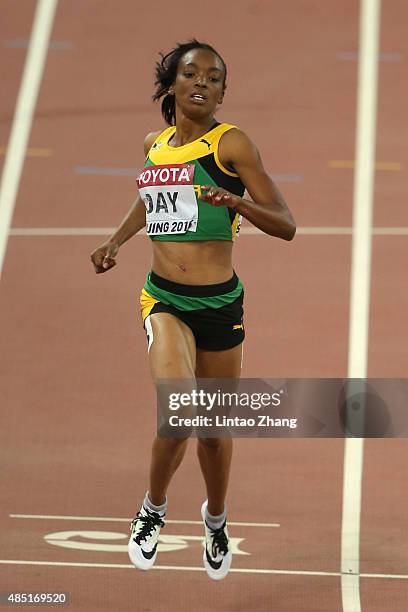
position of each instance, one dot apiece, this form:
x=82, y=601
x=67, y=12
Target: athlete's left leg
x=215, y=454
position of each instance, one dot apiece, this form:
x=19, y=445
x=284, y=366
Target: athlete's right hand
x=103, y=258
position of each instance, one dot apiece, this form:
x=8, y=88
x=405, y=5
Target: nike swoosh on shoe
x=214, y=564
x=148, y=554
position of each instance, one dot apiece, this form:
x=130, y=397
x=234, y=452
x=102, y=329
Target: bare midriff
x=206, y=262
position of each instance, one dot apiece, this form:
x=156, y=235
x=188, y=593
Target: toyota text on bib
x=168, y=194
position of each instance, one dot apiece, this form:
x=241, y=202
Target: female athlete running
x=190, y=201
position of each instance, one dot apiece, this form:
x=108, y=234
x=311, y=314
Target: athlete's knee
x=171, y=441
x=210, y=443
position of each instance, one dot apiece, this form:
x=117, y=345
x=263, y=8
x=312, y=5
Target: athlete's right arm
x=103, y=257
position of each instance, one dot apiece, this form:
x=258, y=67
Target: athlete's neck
x=188, y=130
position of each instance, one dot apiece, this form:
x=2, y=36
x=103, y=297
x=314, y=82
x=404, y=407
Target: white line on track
x=166, y=567
x=360, y=290
x=23, y=116
x=189, y=568
x=126, y=520
x=247, y=231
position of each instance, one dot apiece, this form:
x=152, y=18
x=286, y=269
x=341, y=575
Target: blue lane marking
x=384, y=57
x=22, y=43
x=107, y=171
x=102, y=170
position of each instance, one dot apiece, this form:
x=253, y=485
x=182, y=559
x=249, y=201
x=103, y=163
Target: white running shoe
x=144, y=532
x=217, y=555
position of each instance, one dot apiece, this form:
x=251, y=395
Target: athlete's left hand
x=216, y=196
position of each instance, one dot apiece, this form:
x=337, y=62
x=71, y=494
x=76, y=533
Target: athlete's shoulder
x=234, y=144
x=235, y=135
x=149, y=140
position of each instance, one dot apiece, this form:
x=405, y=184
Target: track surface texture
x=78, y=406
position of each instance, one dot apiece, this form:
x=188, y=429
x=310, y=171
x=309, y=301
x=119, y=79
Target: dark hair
x=166, y=71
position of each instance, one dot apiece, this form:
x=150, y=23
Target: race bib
x=168, y=194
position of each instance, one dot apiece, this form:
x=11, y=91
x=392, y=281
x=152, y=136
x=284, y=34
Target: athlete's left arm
x=268, y=211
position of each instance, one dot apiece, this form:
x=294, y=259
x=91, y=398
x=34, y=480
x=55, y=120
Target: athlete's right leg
x=172, y=354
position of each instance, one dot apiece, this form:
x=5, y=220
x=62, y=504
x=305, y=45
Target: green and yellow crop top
x=170, y=186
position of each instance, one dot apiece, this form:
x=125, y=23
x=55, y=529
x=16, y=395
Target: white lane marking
x=63, y=231
x=390, y=231
x=23, y=115
x=186, y=568
x=360, y=290
x=182, y=568
x=127, y=520
x=166, y=542
x=249, y=231
x=391, y=576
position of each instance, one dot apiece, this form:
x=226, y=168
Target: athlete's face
x=199, y=84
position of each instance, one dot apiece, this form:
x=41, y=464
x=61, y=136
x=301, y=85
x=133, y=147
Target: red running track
x=78, y=405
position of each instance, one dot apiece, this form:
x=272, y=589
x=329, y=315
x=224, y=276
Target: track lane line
x=193, y=568
x=23, y=115
x=59, y=517
x=246, y=231
x=169, y=567
x=360, y=290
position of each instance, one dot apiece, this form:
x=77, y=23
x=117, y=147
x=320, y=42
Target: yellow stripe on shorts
x=147, y=302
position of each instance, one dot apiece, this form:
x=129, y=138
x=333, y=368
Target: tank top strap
x=217, y=133
x=163, y=137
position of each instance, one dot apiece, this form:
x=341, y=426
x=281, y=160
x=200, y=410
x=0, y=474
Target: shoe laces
x=219, y=541
x=146, y=524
